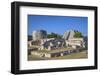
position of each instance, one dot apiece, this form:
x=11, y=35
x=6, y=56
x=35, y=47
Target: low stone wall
x=57, y=54
x=63, y=53
x=41, y=54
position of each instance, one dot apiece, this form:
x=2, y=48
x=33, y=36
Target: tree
x=29, y=37
x=78, y=35
x=54, y=35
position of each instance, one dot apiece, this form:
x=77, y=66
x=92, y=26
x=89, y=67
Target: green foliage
x=29, y=37
x=54, y=35
x=78, y=35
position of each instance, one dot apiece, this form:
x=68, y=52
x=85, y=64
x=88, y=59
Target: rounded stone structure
x=39, y=34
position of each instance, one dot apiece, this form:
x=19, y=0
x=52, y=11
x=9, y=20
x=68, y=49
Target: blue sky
x=57, y=24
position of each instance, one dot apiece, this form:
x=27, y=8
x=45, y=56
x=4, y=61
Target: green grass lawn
x=34, y=57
